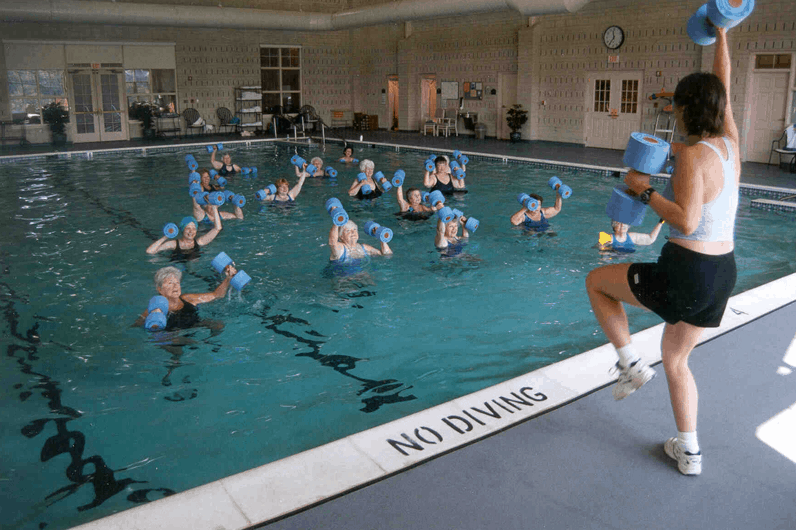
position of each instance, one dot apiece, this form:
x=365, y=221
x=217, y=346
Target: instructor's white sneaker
x=632, y=378
x=687, y=463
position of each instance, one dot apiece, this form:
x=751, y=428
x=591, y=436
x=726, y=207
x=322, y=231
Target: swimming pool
x=99, y=417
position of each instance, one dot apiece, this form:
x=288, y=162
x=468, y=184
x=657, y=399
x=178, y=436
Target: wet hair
x=703, y=98
x=279, y=182
x=346, y=148
x=537, y=197
x=440, y=160
x=312, y=162
x=409, y=191
x=366, y=164
x=616, y=225
x=203, y=170
x=165, y=272
x=350, y=225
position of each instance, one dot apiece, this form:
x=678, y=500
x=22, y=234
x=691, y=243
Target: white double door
x=99, y=110
x=613, y=108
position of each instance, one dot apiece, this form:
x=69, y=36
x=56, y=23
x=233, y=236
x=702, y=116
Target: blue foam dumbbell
x=201, y=198
x=239, y=200
x=457, y=213
x=457, y=153
x=459, y=173
x=261, y=195
x=528, y=201
x=646, y=153
x=156, y=320
x=216, y=198
x=562, y=189
x=361, y=177
x=463, y=160
x=171, y=231
x=454, y=165
x=471, y=224
x=336, y=211
x=210, y=147
x=332, y=172
x=246, y=171
x=366, y=189
x=435, y=197
x=228, y=195
x=445, y=214
x=221, y=182
x=213, y=173
x=722, y=13
x=429, y=165
x=193, y=176
x=298, y=161
x=398, y=178
x=193, y=165
x=381, y=179
x=194, y=189
x=220, y=262
x=625, y=209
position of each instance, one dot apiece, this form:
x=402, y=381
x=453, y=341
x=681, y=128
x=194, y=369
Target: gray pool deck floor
x=595, y=463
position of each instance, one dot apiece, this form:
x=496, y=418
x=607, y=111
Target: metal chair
x=224, y=116
x=785, y=145
x=193, y=120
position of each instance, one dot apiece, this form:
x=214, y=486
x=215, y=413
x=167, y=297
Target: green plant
x=144, y=112
x=516, y=117
x=57, y=116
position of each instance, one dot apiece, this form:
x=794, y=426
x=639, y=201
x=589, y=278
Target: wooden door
x=767, y=114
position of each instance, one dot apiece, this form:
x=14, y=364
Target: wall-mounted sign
x=473, y=90
x=613, y=58
x=450, y=89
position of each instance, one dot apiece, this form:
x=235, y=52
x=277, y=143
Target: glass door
x=99, y=114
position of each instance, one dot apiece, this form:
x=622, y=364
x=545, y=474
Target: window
x=280, y=76
x=602, y=95
x=155, y=86
x=773, y=62
x=30, y=90
x=629, y=96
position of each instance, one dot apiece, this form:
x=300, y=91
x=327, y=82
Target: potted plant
x=56, y=115
x=516, y=117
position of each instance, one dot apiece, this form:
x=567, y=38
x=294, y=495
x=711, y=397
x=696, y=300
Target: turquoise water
x=99, y=416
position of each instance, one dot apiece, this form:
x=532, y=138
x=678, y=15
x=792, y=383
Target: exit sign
x=95, y=66
x=613, y=58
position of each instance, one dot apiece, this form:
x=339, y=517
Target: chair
x=785, y=145
x=445, y=125
x=193, y=120
x=224, y=117
x=429, y=124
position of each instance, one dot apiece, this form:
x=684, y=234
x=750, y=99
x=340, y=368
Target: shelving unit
x=168, y=123
x=248, y=108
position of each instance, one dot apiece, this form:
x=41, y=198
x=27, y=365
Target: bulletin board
x=473, y=90
x=450, y=89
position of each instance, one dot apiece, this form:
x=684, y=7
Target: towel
x=791, y=133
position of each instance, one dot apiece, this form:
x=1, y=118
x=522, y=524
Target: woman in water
x=412, y=207
x=285, y=195
x=537, y=219
x=441, y=179
x=367, y=167
x=201, y=212
x=348, y=155
x=344, y=246
x=225, y=168
x=187, y=247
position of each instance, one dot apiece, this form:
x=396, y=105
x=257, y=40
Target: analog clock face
x=613, y=37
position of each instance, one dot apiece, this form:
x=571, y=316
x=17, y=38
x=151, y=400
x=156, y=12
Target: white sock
x=689, y=441
x=627, y=354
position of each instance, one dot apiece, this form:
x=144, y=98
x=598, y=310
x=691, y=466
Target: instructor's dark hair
x=703, y=98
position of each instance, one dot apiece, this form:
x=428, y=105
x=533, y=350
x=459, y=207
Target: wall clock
x=613, y=37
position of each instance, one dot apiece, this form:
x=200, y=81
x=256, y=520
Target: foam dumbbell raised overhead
x=721, y=13
x=336, y=211
x=374, y=229
x=528, y=202
x=220, y=263
x=562, y=189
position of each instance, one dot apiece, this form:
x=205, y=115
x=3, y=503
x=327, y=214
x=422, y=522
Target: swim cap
x=187, y=220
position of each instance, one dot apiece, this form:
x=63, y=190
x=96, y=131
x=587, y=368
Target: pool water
x=99, y=416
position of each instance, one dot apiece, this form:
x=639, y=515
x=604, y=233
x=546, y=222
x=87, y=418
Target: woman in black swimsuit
x=225, y=168
x=441, y=180
x=187, y=245
x=367, y=167
x=182, y=307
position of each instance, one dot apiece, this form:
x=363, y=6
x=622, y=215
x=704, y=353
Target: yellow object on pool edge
x=605, y=238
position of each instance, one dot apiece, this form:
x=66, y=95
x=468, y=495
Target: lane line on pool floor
x=298, y=482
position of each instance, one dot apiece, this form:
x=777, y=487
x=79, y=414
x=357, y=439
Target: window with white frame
x=156, y=86
x=30, y=90
x=280, y=76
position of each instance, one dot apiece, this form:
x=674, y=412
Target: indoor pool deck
x=556, y=451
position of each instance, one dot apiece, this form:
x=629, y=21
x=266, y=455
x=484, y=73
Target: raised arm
x=216, y=165
x=646, y=239
x=354, y=189
x=722, y=68
x=335, y=247
x=440, y=240
x=220, y=292
x=462, y=221
x=554, y=210
x=519, y=217
x=297, y=188
x=429, y=179
x=164, y=243
x=399, y=193
x=211, y=235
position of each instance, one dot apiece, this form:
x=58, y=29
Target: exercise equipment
x=623, y=208
x=445, y=214
x=335, y=209
x=366, y=189
x=221, y=261
x=193, y=165
x=193, y=176
x=457, y=153
x=374, y=229
x=459, y=173
x=228, y=195
x=201, y=198
x=472, y=224
x=332, y=172
x=457, y=213
x=562, y=189
x=454, y=165
x=216, y=198
x=171, y=231
x=379, y=177
x=210, y=147
x=298, y=161
x=646, y=153
x=245, y=171
x=260, y=195
x=722, y=13
x=194, y=189
x=238, y=200
x=398, y=178
x=528, y=202
x=361, y=177
x=213, y=173
x=353, y=160
x=436, y=197
x=429, y=165
x=463, y=160
x=221, y=182
x=155, y=321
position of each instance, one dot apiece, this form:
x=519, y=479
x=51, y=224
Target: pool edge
x=296, y=483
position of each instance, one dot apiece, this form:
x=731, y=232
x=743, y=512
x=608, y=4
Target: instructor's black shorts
x=685, y=285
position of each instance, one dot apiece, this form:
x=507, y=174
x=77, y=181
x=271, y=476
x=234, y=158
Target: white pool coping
x=297, y=482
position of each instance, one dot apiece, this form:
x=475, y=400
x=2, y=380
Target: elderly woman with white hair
x=182, y=311
x=366, y=167
x=624, y=241
x=344, y=246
